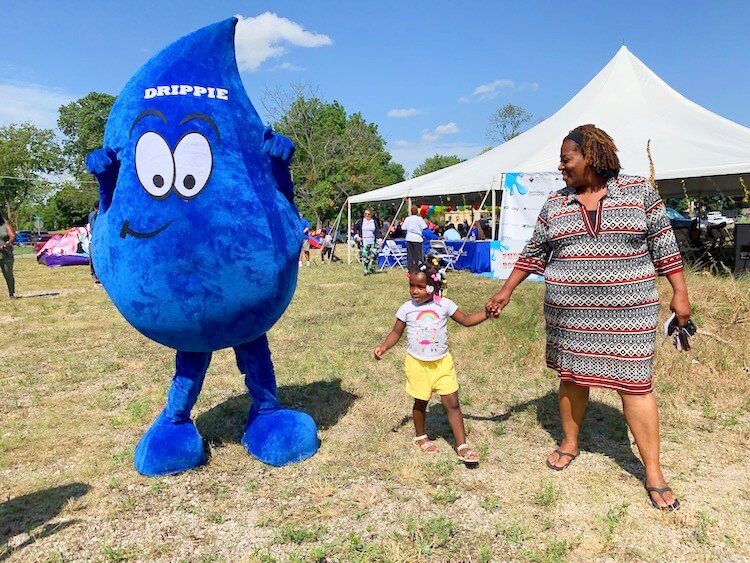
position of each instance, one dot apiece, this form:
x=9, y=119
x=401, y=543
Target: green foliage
x=82, y=123
x=507, y=122
x=293, y=533
x=337, y=155
x=614, y=516
x=547, y=495
x=431, y=534
x=25, y=152
x=70, y=205
x=436, y=162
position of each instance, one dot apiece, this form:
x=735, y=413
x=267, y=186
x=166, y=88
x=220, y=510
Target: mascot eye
x=193, y=163
x=154, y=164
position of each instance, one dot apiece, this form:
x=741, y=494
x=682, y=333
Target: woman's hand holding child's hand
x=497, y=303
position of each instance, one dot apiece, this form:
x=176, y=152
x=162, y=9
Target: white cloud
x=440, y=131
x=30, y=102
x=260, y=38
x=412, y=153
x=403, y=113
x=493, y=89
x=288, y=67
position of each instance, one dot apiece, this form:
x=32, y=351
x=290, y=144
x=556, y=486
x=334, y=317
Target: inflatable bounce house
x=70, y=249
x=187, y=170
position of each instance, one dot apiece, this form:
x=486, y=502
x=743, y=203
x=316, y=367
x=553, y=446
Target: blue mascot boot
x=172, y=444
x=273, y=434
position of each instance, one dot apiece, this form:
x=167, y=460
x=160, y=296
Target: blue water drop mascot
x=197, y=239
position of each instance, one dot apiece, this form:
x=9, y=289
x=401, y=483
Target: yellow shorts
x=425, y=378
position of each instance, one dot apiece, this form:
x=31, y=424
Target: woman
x=600, y=242
x=413, y=226
x=368, y=232
x=7, y=238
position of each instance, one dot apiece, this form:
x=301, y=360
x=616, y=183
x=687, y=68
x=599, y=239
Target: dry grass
x=80, y=386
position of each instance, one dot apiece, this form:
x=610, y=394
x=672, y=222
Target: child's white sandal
x=469, y=457
x=427, y=445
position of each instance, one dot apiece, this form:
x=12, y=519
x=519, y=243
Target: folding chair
x=442, y=251
x=395, y=253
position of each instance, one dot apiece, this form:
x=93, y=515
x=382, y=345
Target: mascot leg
x=273, y=434
x=173, y=443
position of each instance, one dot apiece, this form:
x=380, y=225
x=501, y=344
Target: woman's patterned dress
x=601, y=304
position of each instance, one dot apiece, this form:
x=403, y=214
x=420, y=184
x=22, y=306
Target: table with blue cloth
x=475, y=256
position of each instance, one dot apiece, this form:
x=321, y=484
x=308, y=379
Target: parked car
x=23, y=237
x=716, y=217
x=41, y=236
x=677, y=219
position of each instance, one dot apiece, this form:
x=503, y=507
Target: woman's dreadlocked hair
x=598, y=150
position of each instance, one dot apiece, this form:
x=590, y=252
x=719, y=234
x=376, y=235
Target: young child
x=326, y=250
x=428, y=364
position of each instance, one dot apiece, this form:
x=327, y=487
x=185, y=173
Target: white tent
x=632, y=104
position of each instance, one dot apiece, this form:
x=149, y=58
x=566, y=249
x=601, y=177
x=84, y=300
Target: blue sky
x=411, y=67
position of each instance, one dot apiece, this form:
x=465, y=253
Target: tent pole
x=408, y=203
x=460, y=250
x=336, y=225
x=494, y=217
x=385, y=238
x=348, y=232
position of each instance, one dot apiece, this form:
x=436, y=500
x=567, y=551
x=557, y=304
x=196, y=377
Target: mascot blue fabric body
x=198, y=238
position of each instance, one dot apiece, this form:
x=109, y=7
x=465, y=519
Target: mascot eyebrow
x=185, y=119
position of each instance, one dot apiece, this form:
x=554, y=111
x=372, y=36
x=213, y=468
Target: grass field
x=80, y=386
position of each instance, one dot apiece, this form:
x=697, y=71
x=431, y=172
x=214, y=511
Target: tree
x=507, y=122
x=436, y=162
x=337, y=155
x=26, y=152
x=82, y=122
x=72, y=203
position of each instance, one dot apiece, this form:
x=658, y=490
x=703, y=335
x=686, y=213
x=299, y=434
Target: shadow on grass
x=325, y=401
x=31, y=513
x=604, y=430
x=32, y=295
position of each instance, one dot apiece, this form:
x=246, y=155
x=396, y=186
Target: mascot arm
x=281, y=150
x=104, y=165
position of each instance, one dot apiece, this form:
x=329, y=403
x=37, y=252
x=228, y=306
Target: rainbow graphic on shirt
x=429, y=314
x=426, y=320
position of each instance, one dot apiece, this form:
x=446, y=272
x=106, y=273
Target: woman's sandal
x=560, y=455
x=423, y=443
x=468, y=456
x=660, y=491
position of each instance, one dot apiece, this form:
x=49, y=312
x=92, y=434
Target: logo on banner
x=512, y=183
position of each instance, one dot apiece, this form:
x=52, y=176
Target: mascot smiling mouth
x=126, y=230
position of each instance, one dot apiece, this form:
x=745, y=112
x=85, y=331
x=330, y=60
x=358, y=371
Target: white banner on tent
x=524, y=195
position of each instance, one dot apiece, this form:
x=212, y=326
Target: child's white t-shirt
x=426, y=327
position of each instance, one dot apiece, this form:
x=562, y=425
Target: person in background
x=368, y=232
x=428, y=235
x=463, y=228
x=93, y=214
x=476, y=232
x=305, y=241
x=326, y=250
x=600, y=242
x=7, y=238
x=413, y=226
x=484, y=225
x=396, y=230
x=451, y=233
